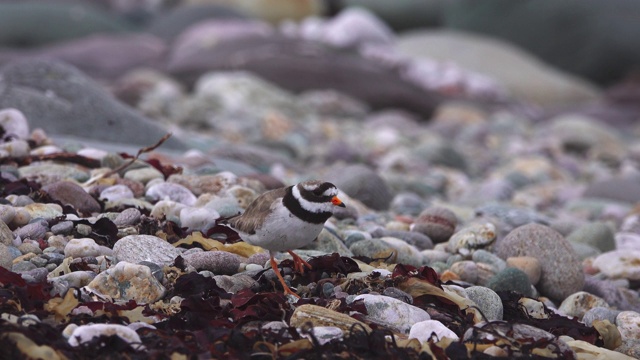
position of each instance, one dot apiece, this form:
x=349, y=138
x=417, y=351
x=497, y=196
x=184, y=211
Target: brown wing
x=254, y=216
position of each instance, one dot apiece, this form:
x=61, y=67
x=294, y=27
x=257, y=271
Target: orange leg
x=286, y=288
x=298, y=263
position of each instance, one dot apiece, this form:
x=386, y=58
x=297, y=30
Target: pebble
x=127, y=217
x=419, y=240
x=321, y=316
x=218, y=262
x=527, y=264
x=619, y=264
x=596, y=234
x=6, y=235
x=137, y=248
x=70, y=193
x=116, y=192
x=35, y=230
x=329, y=242
x=22, y=217
x=600, y=313
x=44, y=211
x=626, y=240
x=197, y=219
x=126, y=281
x=431, y=256
x=78, y=248
x=7, y=213
x=171, y=191
x=14, y=123
x=487, y=300
x=405, y=253
x=61, y=284
x=168, y=209
x=576, y=305
x=235, y=283
x=325, y=334
x=466, y=270
x=143, y=175
x=392, y=313
x=361, y=183
x=86, y=333
x=472, y=237
x=485, y=257
x=628, y=322
x=427, y=329
x=561, y=270
x=511, y=279
x=438, y=223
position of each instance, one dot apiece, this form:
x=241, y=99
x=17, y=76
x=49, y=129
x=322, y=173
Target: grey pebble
x=600, y=313
x=37, y=275
x=492, y=259
x=218, y=262
x=38, y=261
x=235, y=283
x=60, y=284
x=127, y=217
x=62, y=228
x=487, y=300
x=22, y=266
x=6, y=257
x=419, y=240
x=7, y=213
x=438, y=223
x=156, y=270
x=35, y=230
x=511, y=279
x=596, y=234
x=137, y=248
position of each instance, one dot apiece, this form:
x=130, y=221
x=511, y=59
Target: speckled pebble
x=35, y=230
x=218, y=262
x=619, y=264
x=628, y=322
x=137, y=248
x=487, y=300
x=62, y=228
x=437, y=223
x=233, y=284
x=7, y=213
x=22, y=266
x=561, y=270
x=171, y=191
x=6, y=235
x=30, y=247
x=6, y=257
x=127, y=217
x=61, y=284
x=577, y=304
x=77, y=248
x=471, y=238
x=485, y=257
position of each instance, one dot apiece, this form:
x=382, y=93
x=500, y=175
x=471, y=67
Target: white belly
x=283, y=231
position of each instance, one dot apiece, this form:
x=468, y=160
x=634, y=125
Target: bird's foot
x=286, y=288
x=298, y=262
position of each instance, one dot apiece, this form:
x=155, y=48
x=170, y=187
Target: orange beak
x=337, y=202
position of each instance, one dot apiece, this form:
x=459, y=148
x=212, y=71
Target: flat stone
x=137, y=248
x=69, y=193
x=576, y=305
x=619, y=264
x=218, y=262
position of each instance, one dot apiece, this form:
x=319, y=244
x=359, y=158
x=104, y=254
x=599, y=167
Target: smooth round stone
x=485, y=257
x=20, y=200
x=14, y=123
x=619, y=264
x=78, y=248
x=597, y=234
x=561, y=270
x=22, y=217
x=416, y=239
x=171, y=191
x=353, y=236
x=467, y=271
x=218, y=262
x=510, y=279
x=628, y=323
x=600, y=313
x=167, y=208
x=126, y=281
x=392, y=313
x=143, y=175
x=6, y=235
x=201, y=184
x=576, y=305
x=427, y=329
x=197, y=218
x=127, y=217
x=55, y=171
x=226, y=206
x=329, y=242
x=407, y=204
x=405, y=253
x=44, y=211
x=70, y=193
x=361, y=183
x=627, y=240
x=7, y=213
x=438, y=223
x=472, y=237
x=527, y=264
x=487, y=300
x=86, y=333
x=15, y=148
x=137, y=248
x=6, y=257
x=116, y=192
x=584, y=251
x=431, y=256
x=76, y=279
x=35, y=230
